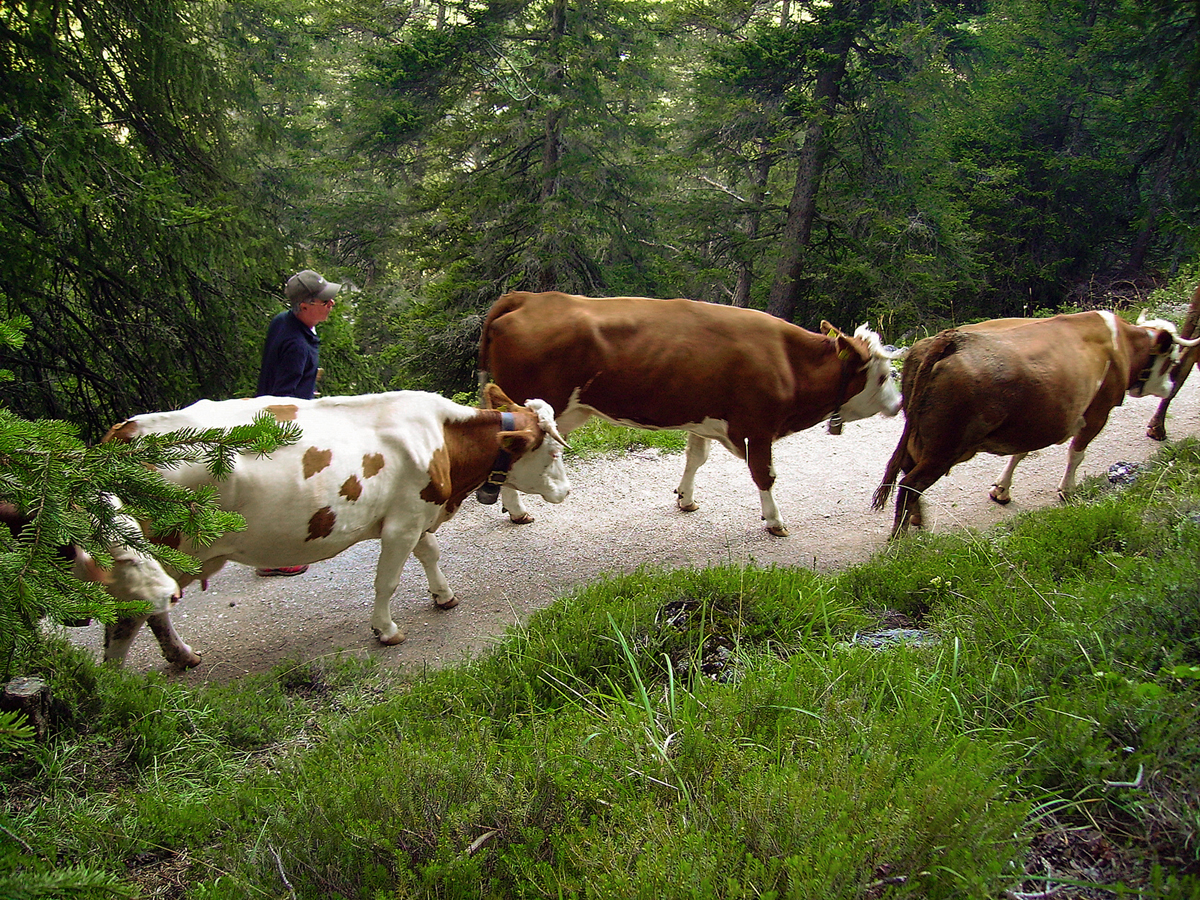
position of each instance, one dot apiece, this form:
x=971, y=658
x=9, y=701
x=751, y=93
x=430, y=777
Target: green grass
x=695, y=733
x=597, y=437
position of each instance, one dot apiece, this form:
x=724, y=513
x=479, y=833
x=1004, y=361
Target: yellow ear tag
x=834, y=334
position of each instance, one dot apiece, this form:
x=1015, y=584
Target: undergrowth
x=726, y=732
x=598, y=437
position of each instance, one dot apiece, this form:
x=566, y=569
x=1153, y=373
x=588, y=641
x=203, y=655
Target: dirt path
x=620, y=515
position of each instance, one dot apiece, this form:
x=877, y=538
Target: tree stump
x=30, y=696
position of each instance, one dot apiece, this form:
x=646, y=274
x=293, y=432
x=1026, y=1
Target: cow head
x=537, y=462
x=1155, y=377
x=133, y=577
x=879, y=393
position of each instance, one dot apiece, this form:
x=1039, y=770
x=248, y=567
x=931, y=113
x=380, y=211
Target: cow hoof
x=187, y=659
x=445, y=604
x=688, y=507
x=778, y=530
x=395, y=637
x=523, y=519
x=1156, y=432
x=1001, y=497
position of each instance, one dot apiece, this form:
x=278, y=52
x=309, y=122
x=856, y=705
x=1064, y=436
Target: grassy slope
x=694, y=733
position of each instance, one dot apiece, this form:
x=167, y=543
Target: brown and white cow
x=1011, y=386
x=132, y=578
x=392, y=466
x=1156, y=428
x=736, y=376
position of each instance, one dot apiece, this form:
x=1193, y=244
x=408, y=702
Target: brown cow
x=737, y=376
x=1011, y=386
x=1156, y=428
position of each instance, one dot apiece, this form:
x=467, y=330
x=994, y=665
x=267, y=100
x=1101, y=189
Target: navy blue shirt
x=290, y=357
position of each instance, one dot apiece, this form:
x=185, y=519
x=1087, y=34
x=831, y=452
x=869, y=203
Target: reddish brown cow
x=1156, y=428
x=1011, y=386
x=737, y=376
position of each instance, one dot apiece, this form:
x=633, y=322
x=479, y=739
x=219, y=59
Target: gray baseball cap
x=308, y=287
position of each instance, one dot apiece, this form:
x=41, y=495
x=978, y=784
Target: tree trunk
x=751, y=222
x=30, y=696
x=547, y=278
x=1141, y=244
x=802, y=210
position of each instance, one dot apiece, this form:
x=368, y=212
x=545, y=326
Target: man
x=291, y=354
x=292, y=351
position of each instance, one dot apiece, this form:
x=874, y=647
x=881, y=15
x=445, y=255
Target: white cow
x=132, y=578
x=392, y=466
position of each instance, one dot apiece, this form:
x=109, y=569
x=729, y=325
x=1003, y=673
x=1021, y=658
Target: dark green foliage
x=405, y=86
x=64, y=488
x=1072, y=150
x=123, y=238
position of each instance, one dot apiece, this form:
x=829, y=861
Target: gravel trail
x=621, y=515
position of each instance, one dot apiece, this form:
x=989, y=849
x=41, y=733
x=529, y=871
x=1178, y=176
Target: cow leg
x=395, y=544
x=118, y=637
x=909, y=503
x=1094, y=420
x=697, y=455
x=1000, y=491
x=1156, y=428
x=510, y=501
x=758, y=456
x=428, y=554
x=173, y=649
x=1075, y=456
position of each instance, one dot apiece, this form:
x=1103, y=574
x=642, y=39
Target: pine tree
x=63, y=486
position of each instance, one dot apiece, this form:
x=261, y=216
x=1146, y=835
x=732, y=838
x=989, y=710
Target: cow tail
x=504, y=305
x=893, y=470
x=1193, y=317
x=939, y=347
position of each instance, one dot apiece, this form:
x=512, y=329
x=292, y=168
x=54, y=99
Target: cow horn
x=1167, y=326
x=545, y=414
x=875, y=343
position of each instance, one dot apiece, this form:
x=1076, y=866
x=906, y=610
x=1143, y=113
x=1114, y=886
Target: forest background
x=165, y=165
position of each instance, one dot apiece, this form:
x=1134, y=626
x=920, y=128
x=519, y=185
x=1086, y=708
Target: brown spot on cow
x=438, y=489
x=284, y=412
x=372, y=464
x=170, y=539
x=121, y=630
x=351, y=488
x=321, y=524
x=315, y=460
x=124, y=432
